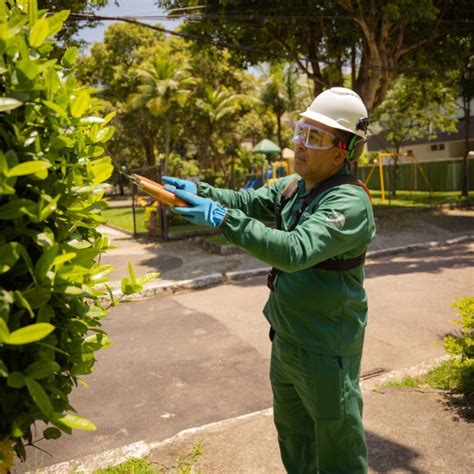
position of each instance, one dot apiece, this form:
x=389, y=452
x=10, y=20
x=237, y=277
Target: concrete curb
x=171, y=287
x=142, y=449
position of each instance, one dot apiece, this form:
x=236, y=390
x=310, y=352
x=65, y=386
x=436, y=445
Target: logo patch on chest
x=335, y=220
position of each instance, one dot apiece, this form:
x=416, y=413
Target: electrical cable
x=226, y=44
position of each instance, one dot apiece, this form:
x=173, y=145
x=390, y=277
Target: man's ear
x=340, y=156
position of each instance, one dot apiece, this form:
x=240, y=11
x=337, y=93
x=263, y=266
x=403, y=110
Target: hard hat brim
x=329, y=122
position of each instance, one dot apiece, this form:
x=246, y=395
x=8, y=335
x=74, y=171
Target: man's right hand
x=177, y=183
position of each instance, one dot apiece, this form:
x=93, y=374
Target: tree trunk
x=465, y=168
x=394, y=180
x=279, y=131
x=149, y=149
x=353, y=67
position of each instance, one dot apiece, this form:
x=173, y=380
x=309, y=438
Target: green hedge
x=52, y=165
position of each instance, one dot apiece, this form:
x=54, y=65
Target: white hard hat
x=339, y=108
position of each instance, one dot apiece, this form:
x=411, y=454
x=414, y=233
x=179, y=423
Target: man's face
x=315, y=166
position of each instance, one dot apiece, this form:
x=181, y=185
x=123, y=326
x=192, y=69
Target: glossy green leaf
x=105, y=134
x=129, y=288
x=49, y=208
x=45, y=262
x=27, y=69
x=73, y=421
x=56, y=21
x=42, y=369
x=143, y=280
x=80, y=105
x=8, y=103
x=32, y=11
x=69, y=57
x=39, y=396
x=23, y=303
x=3, y=164
x=39, y=33
x=19, y=425
x=45, y=314
x=28, y=334
x=100, y=169
x=56, y=108
x=29, y=167
x=69, y=290
x=51, y=433
x=4, y=332
x=17, y=208
x=65, y=257
x=16, y=380
x=37, y=297
x=9, y=255
x=131, y=272
x=3, y=369
x=45, y=238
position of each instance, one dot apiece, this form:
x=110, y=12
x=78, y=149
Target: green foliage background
x=52, y=164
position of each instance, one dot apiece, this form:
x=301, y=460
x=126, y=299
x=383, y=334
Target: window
x=441, y=146
x=434, y=147
x=437, y=147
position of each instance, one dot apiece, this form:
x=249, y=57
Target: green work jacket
x=319, y=310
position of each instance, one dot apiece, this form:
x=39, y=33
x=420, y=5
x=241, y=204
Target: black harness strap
x=287, y=194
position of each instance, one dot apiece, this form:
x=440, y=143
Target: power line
x=225, y=44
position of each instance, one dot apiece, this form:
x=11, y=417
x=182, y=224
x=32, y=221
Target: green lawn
x=123, y=217
x=416, y=199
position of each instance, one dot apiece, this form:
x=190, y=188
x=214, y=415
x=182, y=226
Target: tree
x=373, y=39
x=413, y=110
x=111, y=67
x=218, y=109
x=279, y=92
x=165, y=87
x=465, y=86
x=66, y=35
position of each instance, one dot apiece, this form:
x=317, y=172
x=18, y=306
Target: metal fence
x=440, y=176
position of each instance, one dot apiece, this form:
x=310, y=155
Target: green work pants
x=317, y=405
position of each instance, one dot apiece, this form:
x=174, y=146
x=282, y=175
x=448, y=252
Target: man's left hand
x=201, y=211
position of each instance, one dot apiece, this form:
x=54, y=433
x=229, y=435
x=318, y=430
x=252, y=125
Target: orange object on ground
x=157, y=191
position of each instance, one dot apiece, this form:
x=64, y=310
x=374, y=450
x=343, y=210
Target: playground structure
x=378, y=163
x=271, y=170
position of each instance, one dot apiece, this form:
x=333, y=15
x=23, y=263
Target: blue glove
x=183, y=184
x=202, y=211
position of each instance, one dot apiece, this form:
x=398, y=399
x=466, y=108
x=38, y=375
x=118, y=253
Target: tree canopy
x=374, y=41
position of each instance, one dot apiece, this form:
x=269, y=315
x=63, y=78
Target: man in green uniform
x=317, y=306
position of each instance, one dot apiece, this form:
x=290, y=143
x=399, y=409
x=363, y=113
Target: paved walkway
x=408, y=431
x=185, y=259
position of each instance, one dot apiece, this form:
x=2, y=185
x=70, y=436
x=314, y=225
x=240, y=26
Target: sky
x=125, y=8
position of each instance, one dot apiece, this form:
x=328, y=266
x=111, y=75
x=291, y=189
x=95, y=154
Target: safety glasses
x=314, y=137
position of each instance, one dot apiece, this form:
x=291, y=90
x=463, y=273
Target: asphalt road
x=190, y=359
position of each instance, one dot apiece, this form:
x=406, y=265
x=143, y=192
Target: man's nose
x=298, y=142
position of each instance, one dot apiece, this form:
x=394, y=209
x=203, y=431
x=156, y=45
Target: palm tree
x=165, y=86
x=218, y=107
x=279, y=92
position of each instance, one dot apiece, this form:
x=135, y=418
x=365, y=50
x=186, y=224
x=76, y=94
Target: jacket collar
x=301, y=186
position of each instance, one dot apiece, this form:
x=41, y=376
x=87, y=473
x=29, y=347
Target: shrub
x=52, y=165
x=461, y=378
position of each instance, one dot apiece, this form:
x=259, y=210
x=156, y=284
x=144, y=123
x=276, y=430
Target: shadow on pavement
x=462, y=406
x=433, y=261
x=386, y=455
x=163, y=263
